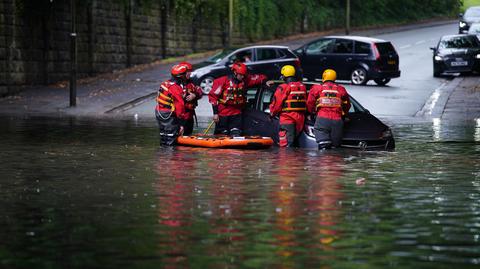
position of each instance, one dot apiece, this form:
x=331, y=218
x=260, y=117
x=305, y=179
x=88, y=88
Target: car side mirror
x=367, y=111
x=433, y=48
x=460, y=15
x=299, y=51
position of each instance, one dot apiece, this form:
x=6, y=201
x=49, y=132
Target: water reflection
x=106, y=196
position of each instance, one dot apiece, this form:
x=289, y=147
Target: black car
x=267, y=60
x=354, y=58
x=472, y=15
x=456, y=54
x=362, y=130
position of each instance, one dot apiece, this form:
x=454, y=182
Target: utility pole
x=73, y=57
x=230, y=22
x=347, y=18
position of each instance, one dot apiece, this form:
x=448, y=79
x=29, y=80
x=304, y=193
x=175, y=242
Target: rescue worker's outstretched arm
x=312, y=98
x=255, y=80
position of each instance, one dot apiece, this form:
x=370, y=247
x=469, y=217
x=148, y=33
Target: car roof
x=263, y=46
x=459, y=35
x=357, y=38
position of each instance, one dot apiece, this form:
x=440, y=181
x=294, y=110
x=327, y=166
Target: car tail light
x=297, y=62
x=376, y=52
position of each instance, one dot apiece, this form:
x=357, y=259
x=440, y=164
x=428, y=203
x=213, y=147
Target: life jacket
x=234, y=94
x=329, y=97
x=296, y=99
x=189, y=105
x=164, y=97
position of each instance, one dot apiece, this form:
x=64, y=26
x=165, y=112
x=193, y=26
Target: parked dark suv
x=354, y=58
x=472, y=15
x=267, y=60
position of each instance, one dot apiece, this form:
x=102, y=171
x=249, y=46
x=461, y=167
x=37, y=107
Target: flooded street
x=83, y=194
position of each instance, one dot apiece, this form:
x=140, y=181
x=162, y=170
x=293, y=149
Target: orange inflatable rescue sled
x=209, y=141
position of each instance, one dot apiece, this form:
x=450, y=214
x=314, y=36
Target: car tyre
x=359, y=76
x=206, y=84
x=436, y=74
x=382, y=81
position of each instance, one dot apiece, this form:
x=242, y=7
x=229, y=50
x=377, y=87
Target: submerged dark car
x=472, y=15
x=362, y=130
x=456, y=54
x=355, y=58
x=267, y=60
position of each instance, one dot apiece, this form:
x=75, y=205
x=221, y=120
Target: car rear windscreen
x=459, y=42
x=385, y=48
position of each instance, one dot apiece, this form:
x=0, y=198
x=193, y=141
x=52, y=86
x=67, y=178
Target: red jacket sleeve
x=217, y=90
x=255, y=80
x=312, y=99
x=277, y=102
x=345, y=101
x=198, y=92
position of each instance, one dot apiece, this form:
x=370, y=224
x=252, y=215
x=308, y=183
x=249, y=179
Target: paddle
x=209, y=127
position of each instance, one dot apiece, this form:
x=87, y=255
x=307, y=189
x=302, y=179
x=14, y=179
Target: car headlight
x=438, y=58
x=477, y=56
x=462, y=24
x=387, y=134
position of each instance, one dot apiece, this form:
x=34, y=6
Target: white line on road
x=405, y=47
x=420, y=42
x=431, y=102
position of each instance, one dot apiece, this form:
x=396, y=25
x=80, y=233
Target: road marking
x=431, y=102
x=420, y=42
x=405, y=47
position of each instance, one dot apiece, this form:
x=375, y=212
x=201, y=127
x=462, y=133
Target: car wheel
x=359, y=76
x=382, y=81
x=206, y=84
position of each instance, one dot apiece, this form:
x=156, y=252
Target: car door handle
x=349, y=59
x=323, y=59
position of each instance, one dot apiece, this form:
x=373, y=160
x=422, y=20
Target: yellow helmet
x=329, y=75
x=288, y=71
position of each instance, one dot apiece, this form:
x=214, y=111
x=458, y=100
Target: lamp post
x=73, y=56
x=230, y=22
x=347, y=18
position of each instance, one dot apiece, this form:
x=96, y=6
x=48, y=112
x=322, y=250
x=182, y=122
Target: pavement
x=110, y=95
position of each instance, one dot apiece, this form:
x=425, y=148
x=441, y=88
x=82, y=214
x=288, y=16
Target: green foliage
x=263, y=19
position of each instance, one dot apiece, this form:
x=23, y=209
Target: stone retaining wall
x=111, y=35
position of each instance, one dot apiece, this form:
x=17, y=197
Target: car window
x=474, y=28
x=251, y=95
x=320, y=46
x=266, y=54
x=472, y=12
x=362, y=47
x=385, y=48
x=343, y=46
x=458, y=42
x=243, y=56
x=266, y=100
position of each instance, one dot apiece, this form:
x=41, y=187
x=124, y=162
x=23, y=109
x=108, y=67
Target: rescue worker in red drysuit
x=170, y=109
x=289, y=102
x=192, y=94
x=228, y=98
x=331, y=103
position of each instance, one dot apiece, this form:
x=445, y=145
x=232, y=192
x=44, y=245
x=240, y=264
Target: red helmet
x=188, y=65
x=239, y=68
x=179, y=70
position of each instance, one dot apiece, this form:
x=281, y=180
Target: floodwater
x=78, y=194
